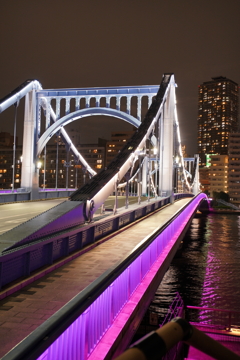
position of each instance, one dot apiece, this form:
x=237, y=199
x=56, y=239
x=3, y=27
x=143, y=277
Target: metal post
x=67, y=166
x=76, y=174
x=84, y=175
x=156, y=182
x=116, y=198
x=127, y=190
x=56, y=184
x=139, y=191
x=161, y=146
x=44, y=174
x=127, y=193
x=14, y=145
x=148, y=173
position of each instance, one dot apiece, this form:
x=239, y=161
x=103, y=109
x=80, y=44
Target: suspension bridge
x=153, y=156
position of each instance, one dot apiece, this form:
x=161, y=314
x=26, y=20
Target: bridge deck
x=26, y=309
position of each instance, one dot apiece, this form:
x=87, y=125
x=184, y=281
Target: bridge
x=153, y=155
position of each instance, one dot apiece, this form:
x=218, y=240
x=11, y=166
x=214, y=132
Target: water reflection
x=206, y=270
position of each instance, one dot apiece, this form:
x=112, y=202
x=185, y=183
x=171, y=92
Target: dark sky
x=76, y=43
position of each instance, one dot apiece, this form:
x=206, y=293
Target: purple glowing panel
x=93, y=333
x=53, y=189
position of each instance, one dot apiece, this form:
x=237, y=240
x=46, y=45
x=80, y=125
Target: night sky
x=74, y=43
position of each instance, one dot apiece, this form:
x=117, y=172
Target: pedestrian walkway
x=24, y=310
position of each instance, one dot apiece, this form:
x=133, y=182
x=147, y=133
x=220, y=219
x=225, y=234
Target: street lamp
x=14, y=144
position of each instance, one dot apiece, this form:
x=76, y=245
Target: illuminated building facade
x=57, y=166
x=218, y=174
x=118, y=140
x=71, y=174
x=6, y=167
x=217, y=116
x=234, y=168
x=204, y=179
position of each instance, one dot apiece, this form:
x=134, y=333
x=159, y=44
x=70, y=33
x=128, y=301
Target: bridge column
x=128, y=105
x=139, y=107
x=167, y=137
x=118, y=102
x=196, y=176
x=144, y=176
x=30, y=172
x=58, y=100
x=97, y=101
x=108, y=101
x=149, y=101
x=48, y=112
x=67, y=106
x=87, y=102
x=77, y=103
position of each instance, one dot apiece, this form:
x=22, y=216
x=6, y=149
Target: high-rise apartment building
x=217, y=116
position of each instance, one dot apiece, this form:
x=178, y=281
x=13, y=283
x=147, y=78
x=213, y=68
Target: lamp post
x=44, y=174
x=175, y=170
x=56, y=179
x=76, y=172
x=67, y=164
x=14, y=144
x=127, y=176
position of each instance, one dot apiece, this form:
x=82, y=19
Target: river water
x=206, y=271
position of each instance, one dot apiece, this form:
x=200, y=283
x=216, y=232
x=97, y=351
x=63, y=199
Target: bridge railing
x=218, y=319
x=75, y=330
x=7, y=196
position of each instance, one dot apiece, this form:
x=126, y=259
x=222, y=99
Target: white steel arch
x=54, y=128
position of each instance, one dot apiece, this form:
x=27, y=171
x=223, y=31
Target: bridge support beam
x=144, y=177
x=29, y=175
x=167, y=137
x=196, y=177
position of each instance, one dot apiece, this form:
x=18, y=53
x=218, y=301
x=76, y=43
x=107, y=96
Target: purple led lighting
x=92, y=335
x=8, y=191
x=54, y=190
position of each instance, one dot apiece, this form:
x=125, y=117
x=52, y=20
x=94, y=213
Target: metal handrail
x=41, y=339
x=231, y=320
x=212, y=309
x=175, y=309
x=169, y=335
